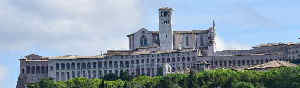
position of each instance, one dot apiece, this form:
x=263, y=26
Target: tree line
x=284, y=77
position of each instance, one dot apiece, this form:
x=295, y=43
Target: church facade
x=166, y=39
x=149, y=51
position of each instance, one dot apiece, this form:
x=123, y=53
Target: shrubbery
x=285, y=77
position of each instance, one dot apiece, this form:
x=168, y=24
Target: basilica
x=150, y=51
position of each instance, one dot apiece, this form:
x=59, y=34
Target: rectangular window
x=121, y=64
x=51, y=68
x=127, y=64
x=32, y=69
x=38, y=69
x=115, y=64
x=42, y=69
x=89, y=74
x=99, y=64
x=83, y=74
x=78, y=73
x=68, y=75
x=105, y=64
x=110, y=64
x=187, y=41
x=94, y=74
x=63, y=78
x=27, y=69
x=94, y=65
x=57, y=76
x=99, y=73
x=73, y=74
x=89, y=65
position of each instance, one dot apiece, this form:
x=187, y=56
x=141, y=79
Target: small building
x=200, y=66
x=271, y=64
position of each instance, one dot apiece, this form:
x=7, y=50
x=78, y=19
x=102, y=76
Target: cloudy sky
x=85, y=27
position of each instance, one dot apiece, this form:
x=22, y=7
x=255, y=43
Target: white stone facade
x=149, y=51
x=166, y=39
x=294, y=51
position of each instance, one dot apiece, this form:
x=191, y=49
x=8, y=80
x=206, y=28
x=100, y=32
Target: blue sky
x=83, y=27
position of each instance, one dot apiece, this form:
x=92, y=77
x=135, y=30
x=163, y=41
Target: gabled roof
x=140, y=30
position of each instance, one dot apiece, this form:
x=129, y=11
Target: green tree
x=47, y=83
x=243, y=85
x=125, y=76
x=110, y=77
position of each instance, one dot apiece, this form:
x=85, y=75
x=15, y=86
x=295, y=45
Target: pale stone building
x=166, y=39
x=148, y=52
x=294, y=51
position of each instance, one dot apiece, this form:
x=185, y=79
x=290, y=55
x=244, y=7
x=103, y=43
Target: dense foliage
x=285, y=77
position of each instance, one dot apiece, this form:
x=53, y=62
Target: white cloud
x=80, y=26
x=229, y=45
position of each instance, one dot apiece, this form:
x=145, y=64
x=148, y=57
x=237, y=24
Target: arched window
x=83, y=66
x=78, y=65
x=143, y=41
x=73, y=66
x=57, y=66
x=89, y=65
x=62, y=66
x=23, y=71
x=68, y=66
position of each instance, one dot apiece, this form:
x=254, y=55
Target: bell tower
x=165, y=29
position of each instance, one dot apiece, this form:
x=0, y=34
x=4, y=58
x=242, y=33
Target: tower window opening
x=166, y=22
x=186, y=40
x=166, y=13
